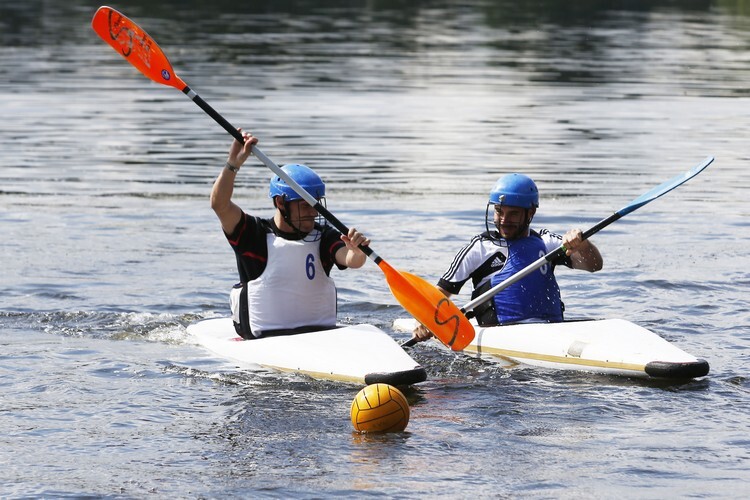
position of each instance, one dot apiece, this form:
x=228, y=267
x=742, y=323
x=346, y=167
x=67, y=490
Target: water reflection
x=334, y=43
x=331, y=82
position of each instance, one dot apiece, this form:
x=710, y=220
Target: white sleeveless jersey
x=293, y=290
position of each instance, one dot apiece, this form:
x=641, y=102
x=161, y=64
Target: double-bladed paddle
x=558, y=253
x=418, y=297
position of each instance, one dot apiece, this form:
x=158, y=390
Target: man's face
x=511, y=221
x=302, y=215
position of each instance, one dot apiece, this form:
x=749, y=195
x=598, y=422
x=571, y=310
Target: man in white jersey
x=284, y=261
x=497, y=254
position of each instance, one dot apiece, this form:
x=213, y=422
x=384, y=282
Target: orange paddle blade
x=430, y=307
x=135, y=46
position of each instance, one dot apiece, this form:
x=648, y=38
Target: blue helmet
x=302, y=175
x=515, y=190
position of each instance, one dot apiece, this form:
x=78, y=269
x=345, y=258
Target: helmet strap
x=487, y=221
x=284, y=209
x=530, y=212
x=288, y=219
x=529, y=215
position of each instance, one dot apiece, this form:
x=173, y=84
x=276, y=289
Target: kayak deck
x=610, y=346
x=361, y=354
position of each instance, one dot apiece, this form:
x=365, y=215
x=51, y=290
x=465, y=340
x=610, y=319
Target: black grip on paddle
x=409, y=343
x=601, y=225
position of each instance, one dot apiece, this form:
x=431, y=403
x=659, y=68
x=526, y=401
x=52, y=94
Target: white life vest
x=293, y=291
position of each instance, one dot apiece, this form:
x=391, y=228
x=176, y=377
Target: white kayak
x=608, y=346
x=361, y=354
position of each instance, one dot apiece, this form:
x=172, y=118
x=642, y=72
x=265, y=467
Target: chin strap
x=528, y=221
x=288, y=220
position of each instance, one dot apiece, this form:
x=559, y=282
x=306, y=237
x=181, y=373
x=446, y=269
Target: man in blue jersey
x=509, y=247
x=284, y=261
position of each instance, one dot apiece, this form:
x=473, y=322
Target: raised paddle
x=558, y=253
x=418, y=297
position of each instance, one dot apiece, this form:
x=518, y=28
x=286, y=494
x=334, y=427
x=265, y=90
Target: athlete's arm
x=583, y=254
x=221, y=194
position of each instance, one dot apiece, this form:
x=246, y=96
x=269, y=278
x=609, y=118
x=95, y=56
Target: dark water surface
x=410, y=111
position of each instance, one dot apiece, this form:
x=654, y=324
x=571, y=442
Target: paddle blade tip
x=135, y=45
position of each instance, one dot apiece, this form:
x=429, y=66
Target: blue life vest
x=536, y=296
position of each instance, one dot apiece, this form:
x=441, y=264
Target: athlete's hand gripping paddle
x=420, y=299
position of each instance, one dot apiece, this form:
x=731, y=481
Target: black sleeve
x=452, y=287
x=330, y=243
x=248, y=240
